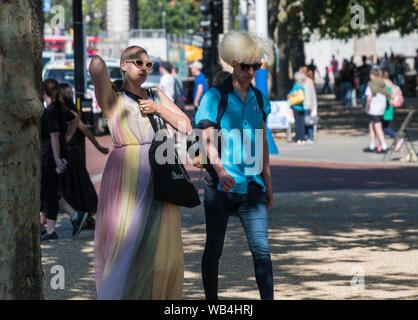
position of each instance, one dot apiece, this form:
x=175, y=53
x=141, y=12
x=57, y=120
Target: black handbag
x=171, y=181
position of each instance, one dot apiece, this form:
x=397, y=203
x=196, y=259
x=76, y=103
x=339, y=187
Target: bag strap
x=260, y=100
x=223, y=102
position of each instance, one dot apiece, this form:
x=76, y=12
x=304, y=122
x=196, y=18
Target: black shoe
x=369, y=150
x=49, y=236
x=79, y=222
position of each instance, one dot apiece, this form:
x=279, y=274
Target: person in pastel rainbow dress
x=138, y=251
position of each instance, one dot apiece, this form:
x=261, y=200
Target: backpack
x=223, y=103
x=396, y=98
x=212, y=177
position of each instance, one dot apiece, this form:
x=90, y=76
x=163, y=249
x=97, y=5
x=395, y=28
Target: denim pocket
x=256, y=193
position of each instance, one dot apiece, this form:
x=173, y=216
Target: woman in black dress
x=78, y=189
x=57, y=123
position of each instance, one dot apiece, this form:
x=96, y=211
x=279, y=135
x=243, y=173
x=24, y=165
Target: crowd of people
x=351, y=80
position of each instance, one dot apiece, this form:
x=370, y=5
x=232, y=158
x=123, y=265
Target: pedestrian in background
x=232, y=187
x=363, y=75
x=298, y=109
x=354, y=83
x=167, y=83
x=79, y=191
x=326, y=81
x=377, y=96
x=346, y=80
x=390, y=113
x=200, y=83
x=178, y=88
x=334, y=66
x=57, y=124
x=310, y=105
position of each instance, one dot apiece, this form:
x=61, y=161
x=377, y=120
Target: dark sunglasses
x=246, y=67
x=140, y=63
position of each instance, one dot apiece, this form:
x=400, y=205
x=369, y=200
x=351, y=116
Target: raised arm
x=106, y=97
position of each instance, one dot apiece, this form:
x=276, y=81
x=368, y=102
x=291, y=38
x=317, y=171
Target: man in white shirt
x=377, y=95
x=167, y=80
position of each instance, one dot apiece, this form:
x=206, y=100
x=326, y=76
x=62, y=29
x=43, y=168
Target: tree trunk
x=20, y=109
x=284, y=50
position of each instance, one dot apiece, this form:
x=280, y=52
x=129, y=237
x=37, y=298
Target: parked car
x=51, y=56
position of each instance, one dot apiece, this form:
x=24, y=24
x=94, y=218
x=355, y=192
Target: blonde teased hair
x=244, y=47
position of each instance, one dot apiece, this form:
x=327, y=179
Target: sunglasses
x=246, y=67
x=140, y=63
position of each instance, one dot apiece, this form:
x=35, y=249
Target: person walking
x=200, y=83
x=377, y=96
x=364, y=77
x=298, y=109
x=232, y=186
x=178, y=89
x=138, y=251
x=326, y=81
x=57, y=123
x=167, y=82
x=78, y=190
x=346, y=80
x=334, y=66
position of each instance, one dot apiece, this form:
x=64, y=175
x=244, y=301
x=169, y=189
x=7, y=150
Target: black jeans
x=252, y=211
x=299, y=124
x=49, y=192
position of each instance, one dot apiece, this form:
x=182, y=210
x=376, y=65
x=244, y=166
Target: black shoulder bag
x=171, y=181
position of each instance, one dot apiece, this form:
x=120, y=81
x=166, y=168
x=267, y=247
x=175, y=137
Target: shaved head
x=132, y=52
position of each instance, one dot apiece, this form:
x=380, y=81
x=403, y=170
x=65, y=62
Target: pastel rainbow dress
x=138, y=251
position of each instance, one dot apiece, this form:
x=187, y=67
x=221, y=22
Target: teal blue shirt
x=297, y=87
x=242, y=134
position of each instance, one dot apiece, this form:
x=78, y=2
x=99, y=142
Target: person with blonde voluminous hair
x=232, y=187
x=244, y=47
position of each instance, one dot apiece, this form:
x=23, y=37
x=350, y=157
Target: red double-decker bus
x=59, y=43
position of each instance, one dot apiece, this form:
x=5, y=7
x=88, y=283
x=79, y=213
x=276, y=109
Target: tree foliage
x=293, y=21
x=334, y=19
x=181, y=16
x=94, y=12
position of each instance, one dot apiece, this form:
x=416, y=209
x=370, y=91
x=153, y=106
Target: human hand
x=148, y=107
x=226, y=181
x=61, y=165
x=103, y=149
x=270, y=197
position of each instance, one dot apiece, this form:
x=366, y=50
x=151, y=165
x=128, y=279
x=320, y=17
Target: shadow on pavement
x=321, y=243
